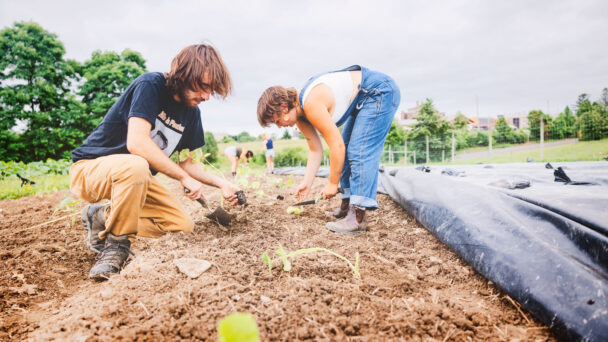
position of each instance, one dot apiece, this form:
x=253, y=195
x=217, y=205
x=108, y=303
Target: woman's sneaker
x=94, y=222
x=112, y=258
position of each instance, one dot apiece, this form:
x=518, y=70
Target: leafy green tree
x=107, y=75
x=604, y=98
x=210, y=147
x=244, y=137
x=396, y=135
x=286, y=135
x=460, y=121
x=35, y=83
x=429, y=124
x=534, y=124
x=563, y=125
x=504, y=133
x=582, y=104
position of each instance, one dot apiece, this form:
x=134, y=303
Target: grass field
x=11, y=187
x=583, y=150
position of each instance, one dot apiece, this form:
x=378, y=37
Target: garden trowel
x=219, y=215
x=316, y=200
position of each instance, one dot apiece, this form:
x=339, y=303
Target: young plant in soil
x=286, y=257
x=68, y=205
x=238, y=327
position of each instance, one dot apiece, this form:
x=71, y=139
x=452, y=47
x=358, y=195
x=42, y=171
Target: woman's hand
x=330, y=190
x=302, y=191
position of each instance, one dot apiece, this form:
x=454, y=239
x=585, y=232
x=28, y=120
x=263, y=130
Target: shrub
x=294, y=156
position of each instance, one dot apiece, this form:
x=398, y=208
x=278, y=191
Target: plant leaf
x=238, y=327
x=267, y=260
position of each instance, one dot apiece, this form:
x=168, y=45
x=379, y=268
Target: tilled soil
x=412, y=287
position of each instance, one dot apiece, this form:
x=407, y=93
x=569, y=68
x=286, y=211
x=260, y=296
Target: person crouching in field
x=269, y=146
x=362, y=100
x=157, y=115
x=235, y=155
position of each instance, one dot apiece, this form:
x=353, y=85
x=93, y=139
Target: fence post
x=490, y=142
x=390, y=155
x=427, y=148
x=414, y=157
x=453, y=146
x=443, y=156
x=405, y=152
x=542, y=136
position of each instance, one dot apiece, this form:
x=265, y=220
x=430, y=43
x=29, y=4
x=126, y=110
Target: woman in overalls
x=362, y=100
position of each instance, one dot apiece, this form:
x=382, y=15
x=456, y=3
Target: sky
x=486, y=57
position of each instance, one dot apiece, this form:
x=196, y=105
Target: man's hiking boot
x=353, y=223
x=339, y=212
x=112, y=258
x=94, y=222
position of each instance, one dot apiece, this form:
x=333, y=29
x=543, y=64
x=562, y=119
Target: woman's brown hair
x=190, y=66
x=269, y=104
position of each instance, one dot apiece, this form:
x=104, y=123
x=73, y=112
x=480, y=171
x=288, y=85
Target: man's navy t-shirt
x=174, y=125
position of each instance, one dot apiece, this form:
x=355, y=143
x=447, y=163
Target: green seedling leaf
x=290, y=180
x=267, y=260
x=295, y=210
x=284, y=258
x=238, y=327
x=183, y=155
x=261, y=193
x=197, y=155
x=255, y=185
x=243, y=182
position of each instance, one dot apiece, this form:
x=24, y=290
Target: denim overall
x=366, y=124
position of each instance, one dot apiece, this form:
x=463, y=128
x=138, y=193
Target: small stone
x=265, y=299
x=192, y=267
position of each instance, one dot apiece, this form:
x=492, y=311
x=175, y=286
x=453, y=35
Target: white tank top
x=341, y=84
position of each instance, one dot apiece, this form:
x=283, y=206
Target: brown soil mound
x=412, y=287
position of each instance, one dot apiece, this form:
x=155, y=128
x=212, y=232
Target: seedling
x=255, y=185
x=238, y=327
x=261, y=193
x=68, y=205
x=286, y=258
x=295, y=210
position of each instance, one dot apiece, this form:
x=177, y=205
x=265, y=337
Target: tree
x=604, y=98
x=35, y=82
x=534, y=124
x=582, y=104
x=563, y=126
x=504, y=132
x=396, y=135
x=210, y=147
x=286, y=135
x=107, y=75
x=460, y=121
x=244, y=137
x=429, y=124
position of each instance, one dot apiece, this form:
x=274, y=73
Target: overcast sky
x=513, y=56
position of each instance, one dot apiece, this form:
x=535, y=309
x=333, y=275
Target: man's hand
x=330, y=190
x=229, y=192
x=302, y=191
x=195, y=188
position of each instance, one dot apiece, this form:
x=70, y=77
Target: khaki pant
x=140, y=205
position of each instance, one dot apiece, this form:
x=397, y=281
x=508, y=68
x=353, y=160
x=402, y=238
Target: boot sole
x=344, y=232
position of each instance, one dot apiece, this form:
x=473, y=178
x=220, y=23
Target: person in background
x=155, y=116
x=362, y=100
x=237, y=154
x=269, y=153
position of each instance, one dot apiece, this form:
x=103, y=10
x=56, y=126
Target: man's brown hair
x=269, y=104
x=189, y=67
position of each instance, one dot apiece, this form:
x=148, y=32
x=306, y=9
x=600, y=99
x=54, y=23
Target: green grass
x=583, y=150
x=11, y=188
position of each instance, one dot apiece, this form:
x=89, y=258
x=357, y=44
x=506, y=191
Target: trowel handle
x=200, y=200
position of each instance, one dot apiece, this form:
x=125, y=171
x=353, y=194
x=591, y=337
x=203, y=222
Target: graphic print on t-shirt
x=166, y=133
